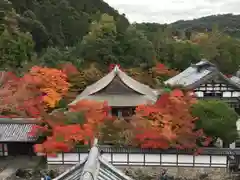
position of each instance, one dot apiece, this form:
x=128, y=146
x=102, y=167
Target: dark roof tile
x=16, y=131
x=144, y=90
x=197, y=74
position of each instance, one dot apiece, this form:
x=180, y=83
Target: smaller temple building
x=14, y=137
x=94, y=167
x=122, y=93
x=208, y=83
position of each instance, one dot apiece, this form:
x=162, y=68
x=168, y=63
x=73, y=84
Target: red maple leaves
x=19, y=96
x=165, y=124
x=112, y=66
x=63, y=135
x=161, y=69
x=22, y=97
x=168, y=123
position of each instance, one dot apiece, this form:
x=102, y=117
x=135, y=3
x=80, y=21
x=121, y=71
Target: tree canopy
x=217, y=119
x=48, y=33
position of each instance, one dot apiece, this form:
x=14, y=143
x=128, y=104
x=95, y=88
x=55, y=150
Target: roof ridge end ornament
x=116, y=69
x=95, y=142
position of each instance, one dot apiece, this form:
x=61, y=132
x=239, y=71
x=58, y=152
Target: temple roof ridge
x=139, y=88
x=197, y=74
x=94, y=167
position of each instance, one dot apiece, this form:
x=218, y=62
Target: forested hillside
x=215, y=38
x=52, y=32
x=62, y=22
x=227, y=23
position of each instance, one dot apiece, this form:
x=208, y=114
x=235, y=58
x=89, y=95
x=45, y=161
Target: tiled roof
x=192, y=77
x=73, y=173
x=120, y=100
x=235, y=79
x=187, y=77
x=142, y=89
x=16, y=130
x=94, y=167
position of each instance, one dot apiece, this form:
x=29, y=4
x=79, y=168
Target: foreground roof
x=197, y=74
x=235, y=79
x=94, y=167
x=146, y=93
x=16, y=130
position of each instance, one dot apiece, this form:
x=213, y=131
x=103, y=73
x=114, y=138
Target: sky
x=167, y=11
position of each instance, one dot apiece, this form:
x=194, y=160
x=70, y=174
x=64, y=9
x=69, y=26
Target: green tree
x=55, y=20
x=16, y=47
x=28, y=22
x=228, y=57
x=217, y=119
x=62, y=22
x=136, y=49
x=99, y=44
x=184, y=54
x=222, y=50
x=53, y=56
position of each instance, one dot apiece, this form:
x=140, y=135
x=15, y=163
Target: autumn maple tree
x=165, y=124
x=23, y=97
x=65, y=130
x=162, y=72
x=51, y=82
x=80, y=79
x=20, y=97
x=168, y=123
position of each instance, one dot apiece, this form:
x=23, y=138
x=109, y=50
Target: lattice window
x=212, y=89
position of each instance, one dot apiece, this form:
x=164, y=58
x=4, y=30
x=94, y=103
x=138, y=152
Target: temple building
x=208, y=83
x=120, y=91
x=14, y=137
x=94, y=167
x=236, y=78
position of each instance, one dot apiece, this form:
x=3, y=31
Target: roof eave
x=202, y=80
x=231, y=82
x=19, y=121
x=115, y=170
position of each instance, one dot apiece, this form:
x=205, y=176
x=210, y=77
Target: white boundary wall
x=147, y=159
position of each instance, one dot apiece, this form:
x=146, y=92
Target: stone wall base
x=190, y=173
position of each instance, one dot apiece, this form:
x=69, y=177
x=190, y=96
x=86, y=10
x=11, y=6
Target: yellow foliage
x=52, y=82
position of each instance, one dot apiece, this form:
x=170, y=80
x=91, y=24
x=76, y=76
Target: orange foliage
x=22, y=97
x=52, y=83
x=65, y=135
x=19, y=97
x=168, y=123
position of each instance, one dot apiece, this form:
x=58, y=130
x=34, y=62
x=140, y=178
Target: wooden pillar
x=110, y=112
x=5, y=150
x=119, y=113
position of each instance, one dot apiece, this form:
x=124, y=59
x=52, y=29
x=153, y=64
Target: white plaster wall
x=238, y=125
x=150, y=159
